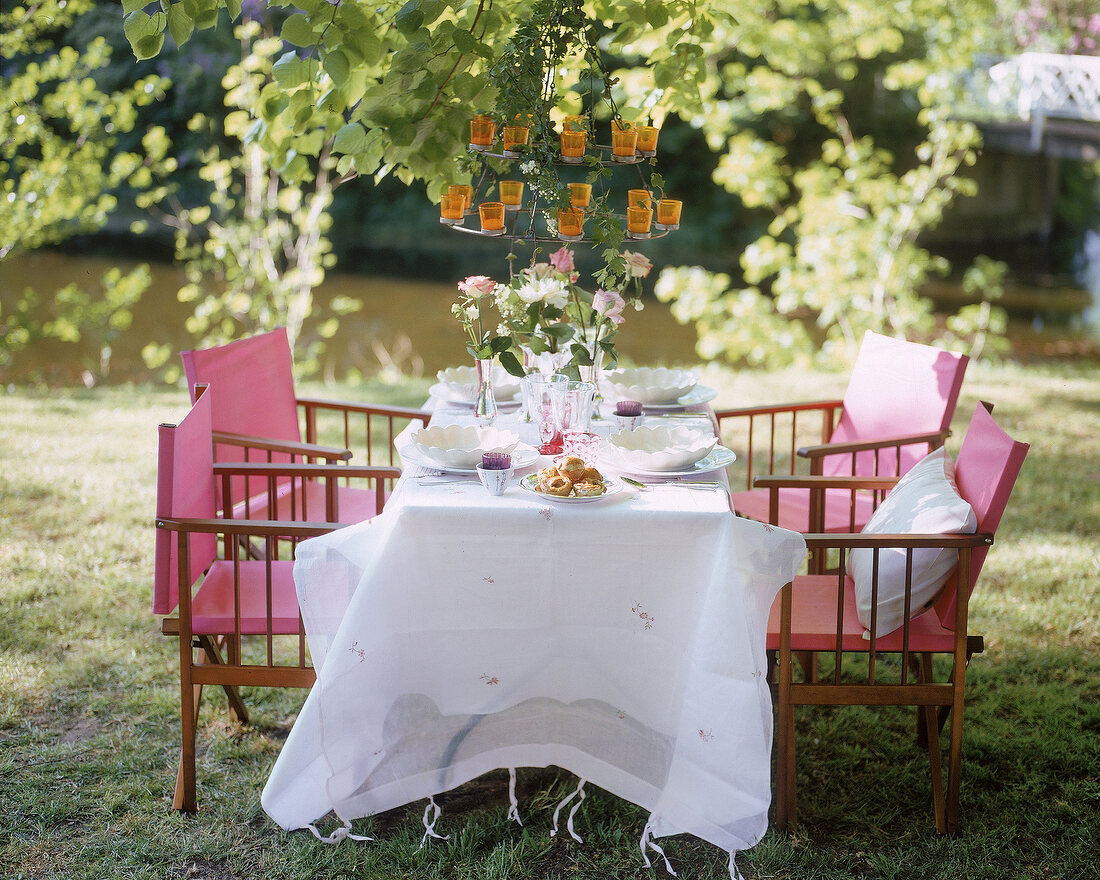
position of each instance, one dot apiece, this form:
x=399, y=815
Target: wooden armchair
x=899, y=403
x=257, y=417
x=231, y=581
x=819, y=616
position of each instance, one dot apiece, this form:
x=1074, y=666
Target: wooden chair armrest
x=247, y=527
x=764, y=410
x=841, y=540
x=819, y=482
x=406, y=412
x=822, y=449
x=289, y=447
x=341, y=471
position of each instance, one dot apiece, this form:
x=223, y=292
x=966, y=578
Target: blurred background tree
x=62, y=166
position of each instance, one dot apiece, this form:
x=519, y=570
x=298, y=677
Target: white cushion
x=924, y=501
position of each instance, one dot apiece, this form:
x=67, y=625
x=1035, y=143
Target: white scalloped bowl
x=462, y=445
x=651, y=385
x=461, y=383
x=661, y=448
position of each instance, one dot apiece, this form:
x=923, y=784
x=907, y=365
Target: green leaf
x=500, y=344
x=350, y=139
x=402, y=132
x=129, y=6
x=409, y=18
x=465, y=42
x=655, y=13
x=145, y=33
x=511, y=363
x=180, y=25
x=298, y=31
x=290, y=71
x=203, y=12
x=338, y=67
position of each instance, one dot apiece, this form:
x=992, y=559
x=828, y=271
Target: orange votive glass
x=572, y=145
x=482, y=132
x=638, y=220
x=511, y=194
x=570, y=222
x=574, y=123
x=580, y=194
x=639, y=198
x=514, y=136
x=492, y=216
x=623, y=143
x=451, y=208
x=647, y=140
x=668, y=212
x=465, y=191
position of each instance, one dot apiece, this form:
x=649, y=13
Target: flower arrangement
x=544, y=311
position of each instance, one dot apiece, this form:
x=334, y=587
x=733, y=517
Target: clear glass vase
x=485, y=404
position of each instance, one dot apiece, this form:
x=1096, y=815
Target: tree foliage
x=832, y=117
x=62, y=168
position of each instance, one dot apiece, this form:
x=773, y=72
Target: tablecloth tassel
x=647, y=843
x=572, y=812
x=734, y=873
x=429, y=827
x=513, y=808
x=337, y=835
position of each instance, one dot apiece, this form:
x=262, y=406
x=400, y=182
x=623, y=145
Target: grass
x=89, y=689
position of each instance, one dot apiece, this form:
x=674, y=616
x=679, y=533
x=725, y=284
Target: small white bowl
x=661, y=448
x=462, y=445
x=650, y=385
x=461, y=383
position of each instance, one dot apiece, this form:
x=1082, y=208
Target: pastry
x=571, y=467
x=591, y=475
x=589, y=488
x=559, y=485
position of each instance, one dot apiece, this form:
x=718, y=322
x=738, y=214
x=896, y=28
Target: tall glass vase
x=592, y=374
x=485, y=404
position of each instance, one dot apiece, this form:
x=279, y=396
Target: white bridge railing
x=1038, y=85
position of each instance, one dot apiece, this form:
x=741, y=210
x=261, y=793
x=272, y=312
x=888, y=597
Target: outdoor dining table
x=459, y=632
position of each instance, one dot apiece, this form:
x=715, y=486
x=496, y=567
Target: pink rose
x=477, y=286
x=562, y=260
x=637, y=265
x=610, y=305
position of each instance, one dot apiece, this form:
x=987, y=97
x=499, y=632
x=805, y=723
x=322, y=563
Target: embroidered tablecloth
x=622, y=640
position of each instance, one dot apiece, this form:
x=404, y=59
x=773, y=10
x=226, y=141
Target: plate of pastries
x=569, y=480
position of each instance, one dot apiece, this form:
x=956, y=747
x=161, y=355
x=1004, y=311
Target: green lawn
x=89, y=688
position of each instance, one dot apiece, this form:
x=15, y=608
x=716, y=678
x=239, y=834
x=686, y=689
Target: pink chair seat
x=794, y=511
x=212, y=610
x=813, y=622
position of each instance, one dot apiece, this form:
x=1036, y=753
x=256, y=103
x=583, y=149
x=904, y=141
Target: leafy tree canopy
x=806, y=101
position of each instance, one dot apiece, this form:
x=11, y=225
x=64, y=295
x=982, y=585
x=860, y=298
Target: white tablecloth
x=622, y=640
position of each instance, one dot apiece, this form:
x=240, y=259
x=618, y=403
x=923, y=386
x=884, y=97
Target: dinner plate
x=531, y=482
x=442, y=392
x=522, y=456
x=698, y=394
x=719, y=457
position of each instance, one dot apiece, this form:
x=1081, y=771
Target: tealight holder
x=628, y=414
x=495, y=480
x=496, y=461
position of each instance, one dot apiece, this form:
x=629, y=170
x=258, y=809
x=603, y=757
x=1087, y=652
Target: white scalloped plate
x=531, y=481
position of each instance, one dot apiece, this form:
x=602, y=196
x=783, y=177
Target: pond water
x=402, y=324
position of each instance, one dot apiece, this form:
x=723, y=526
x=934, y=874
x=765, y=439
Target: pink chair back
x=185, y=488
x=985, y=470
x=896, y=387
x=252, y=383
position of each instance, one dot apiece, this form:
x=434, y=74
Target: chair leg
x=784, y=758
x=930, y=723
x=190, y=697
x=237, y=709
x=954, y=766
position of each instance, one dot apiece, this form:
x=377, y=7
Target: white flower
x=550, y=291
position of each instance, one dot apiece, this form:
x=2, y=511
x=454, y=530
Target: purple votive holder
x=628, y=408
x=496, y=461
